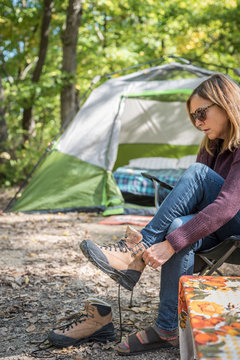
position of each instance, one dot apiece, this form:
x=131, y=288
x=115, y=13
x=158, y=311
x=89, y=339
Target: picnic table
x=209, y=317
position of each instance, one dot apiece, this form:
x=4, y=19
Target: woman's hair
x=224, y=92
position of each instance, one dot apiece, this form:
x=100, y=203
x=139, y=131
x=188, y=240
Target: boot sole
x=101, y=336
x=116, y=275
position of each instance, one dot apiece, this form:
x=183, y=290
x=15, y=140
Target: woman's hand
x=158, y=254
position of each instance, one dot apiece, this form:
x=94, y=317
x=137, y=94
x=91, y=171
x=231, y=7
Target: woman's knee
x=196, y=168
x=179, y=222
x=174, y=225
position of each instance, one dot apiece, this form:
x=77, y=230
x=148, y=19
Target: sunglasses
x=201, y=113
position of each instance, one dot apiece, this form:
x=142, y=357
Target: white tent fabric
x=106, y=117
x=145, y=122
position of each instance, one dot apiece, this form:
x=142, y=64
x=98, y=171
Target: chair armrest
x=157, y=183
x=235, y=237
x=154, y=178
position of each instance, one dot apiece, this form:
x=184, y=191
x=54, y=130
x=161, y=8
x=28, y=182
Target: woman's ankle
x=170, y=335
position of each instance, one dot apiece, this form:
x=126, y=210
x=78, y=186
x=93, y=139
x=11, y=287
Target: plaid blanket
x=131, y=181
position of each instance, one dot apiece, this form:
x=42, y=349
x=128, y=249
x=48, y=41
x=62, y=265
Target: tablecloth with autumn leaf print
x=209, y=317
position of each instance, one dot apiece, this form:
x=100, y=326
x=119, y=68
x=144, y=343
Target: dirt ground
x=45, y=281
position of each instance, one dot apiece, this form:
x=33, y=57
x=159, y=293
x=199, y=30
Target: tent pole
x=179, y=58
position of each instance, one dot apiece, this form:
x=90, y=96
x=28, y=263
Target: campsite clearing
x=45, y=281
x=138, y=115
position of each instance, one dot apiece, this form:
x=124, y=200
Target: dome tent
x=142, y=114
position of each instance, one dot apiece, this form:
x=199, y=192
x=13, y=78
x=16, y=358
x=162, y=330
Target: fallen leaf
x=11, y=348
x=3, y=331
x=135, y=309
x=108, y=346
x=129, y=322
x=32, y=255
x=31, y=328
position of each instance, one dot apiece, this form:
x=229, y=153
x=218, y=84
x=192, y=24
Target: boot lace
x=122, y=246
x=79, y=320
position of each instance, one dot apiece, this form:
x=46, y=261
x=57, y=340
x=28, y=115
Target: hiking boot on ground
x=122, y=261
x=95, y=324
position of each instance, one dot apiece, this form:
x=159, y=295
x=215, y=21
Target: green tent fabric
x=64, y=179
x=142, y=114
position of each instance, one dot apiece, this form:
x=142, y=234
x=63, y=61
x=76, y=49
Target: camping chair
x=206, y=261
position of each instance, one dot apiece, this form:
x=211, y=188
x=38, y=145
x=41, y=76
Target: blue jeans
x=198, y=187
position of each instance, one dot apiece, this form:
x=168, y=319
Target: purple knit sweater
x=220, y=211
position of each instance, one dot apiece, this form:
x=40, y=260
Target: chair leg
x=156, y=196
x=218, y=263
x=131, y=299
x=206, y=270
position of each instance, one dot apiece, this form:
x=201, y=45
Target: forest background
x=50, y=51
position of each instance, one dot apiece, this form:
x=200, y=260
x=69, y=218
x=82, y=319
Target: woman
x=200, y=212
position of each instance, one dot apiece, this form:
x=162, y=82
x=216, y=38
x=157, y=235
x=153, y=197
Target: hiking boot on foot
x=95, y=324
x=122, y=261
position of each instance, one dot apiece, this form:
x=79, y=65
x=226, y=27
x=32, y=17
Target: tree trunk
x=69, y=43
x=28, y=123
x=3, y=125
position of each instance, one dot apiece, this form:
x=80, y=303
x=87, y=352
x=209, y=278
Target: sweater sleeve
x=213, y=216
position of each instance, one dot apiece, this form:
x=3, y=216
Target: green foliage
x=22, y=157
x=113, y=35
